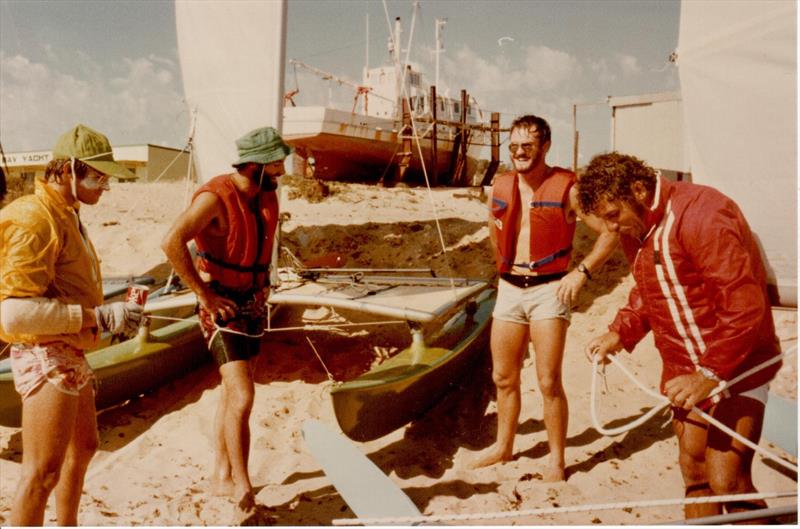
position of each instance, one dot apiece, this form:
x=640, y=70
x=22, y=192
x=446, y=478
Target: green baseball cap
x=262, y=146
x=92, y=148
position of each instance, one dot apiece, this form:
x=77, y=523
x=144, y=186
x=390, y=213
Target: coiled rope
x=665, y=402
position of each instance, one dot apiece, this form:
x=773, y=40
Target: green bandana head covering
x=90, y=147
x=262, y=146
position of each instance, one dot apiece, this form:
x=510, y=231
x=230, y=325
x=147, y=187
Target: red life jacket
x=551, y=234
x=245, y=261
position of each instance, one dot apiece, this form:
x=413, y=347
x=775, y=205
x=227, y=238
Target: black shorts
x=240, y=337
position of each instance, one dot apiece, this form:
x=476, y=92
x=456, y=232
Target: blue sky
x=114, y=65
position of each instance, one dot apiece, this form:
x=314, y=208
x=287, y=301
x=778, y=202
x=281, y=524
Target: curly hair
x=536, y=123
x=55, y=169
x=610, y=176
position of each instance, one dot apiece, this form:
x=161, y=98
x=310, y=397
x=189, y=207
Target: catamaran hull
x=349, y=147
x=398, y=392
x=128, y=369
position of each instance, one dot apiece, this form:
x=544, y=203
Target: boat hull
x=400, y=391
x=128, y=369
x=354, y=147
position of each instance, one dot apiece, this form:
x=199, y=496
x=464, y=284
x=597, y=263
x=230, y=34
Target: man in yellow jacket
x=51, y=312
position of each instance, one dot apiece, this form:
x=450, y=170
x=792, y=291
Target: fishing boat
x=366, y=143
x=163, y=350
x=449, y=313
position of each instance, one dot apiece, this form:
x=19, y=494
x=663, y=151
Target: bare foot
x=246, y=500
x=554, y=473
x=222, y=487
x=493, y=456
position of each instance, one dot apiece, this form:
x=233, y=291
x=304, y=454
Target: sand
x=155, y=452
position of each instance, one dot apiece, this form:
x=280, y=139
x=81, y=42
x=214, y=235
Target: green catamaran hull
x=128, y=369
x=400, y=390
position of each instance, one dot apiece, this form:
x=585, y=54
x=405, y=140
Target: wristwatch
x=583, y=270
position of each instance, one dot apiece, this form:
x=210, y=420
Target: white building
x=148, y=162
x=650, y=127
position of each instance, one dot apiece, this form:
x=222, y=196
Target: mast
x=366, y=53
x=279, y=66
x=440, y=22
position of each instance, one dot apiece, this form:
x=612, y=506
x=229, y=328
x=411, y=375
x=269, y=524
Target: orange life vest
x=245, y=261
x=551, y=234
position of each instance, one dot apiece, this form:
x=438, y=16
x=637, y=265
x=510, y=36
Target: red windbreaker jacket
x=700, y=287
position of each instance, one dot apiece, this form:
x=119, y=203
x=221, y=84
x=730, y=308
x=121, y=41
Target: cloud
x=602, y=72
x=135, y=101
x=549, y=69
x=628, y=64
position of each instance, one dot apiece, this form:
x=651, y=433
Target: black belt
x=531, y=281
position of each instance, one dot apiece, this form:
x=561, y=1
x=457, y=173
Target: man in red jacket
x=701, y=288
x=232, y=219
x=532, y=224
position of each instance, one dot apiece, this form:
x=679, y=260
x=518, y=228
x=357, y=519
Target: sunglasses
x=527, y=147
x=102, y=180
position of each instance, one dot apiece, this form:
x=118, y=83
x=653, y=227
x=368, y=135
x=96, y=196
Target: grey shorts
x=523, y=305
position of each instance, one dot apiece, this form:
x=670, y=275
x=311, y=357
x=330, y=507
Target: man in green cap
x=232, y=220
x=51, y=312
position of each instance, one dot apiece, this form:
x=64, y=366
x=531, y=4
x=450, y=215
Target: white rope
x=665, y=402
x=433, y=519
x=308, y=327
x=330, y=376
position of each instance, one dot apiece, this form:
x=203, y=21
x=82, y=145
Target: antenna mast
x=440, y=22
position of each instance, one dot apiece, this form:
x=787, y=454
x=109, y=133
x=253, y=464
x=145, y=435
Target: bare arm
x=197, y=217
x=606, y=241
x=604, y=246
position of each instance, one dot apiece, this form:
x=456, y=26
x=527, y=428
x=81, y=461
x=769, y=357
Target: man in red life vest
x=232, y=220
x=532, y=223
x=701, y=288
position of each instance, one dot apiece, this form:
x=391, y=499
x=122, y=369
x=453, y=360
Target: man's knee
x=44, y=475
x=87, y=446
x=693, y=468
x=550, y=385
x=730, y=482
x=240, y=398
x=506, y=378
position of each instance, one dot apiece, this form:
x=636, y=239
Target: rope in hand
x=665, y=402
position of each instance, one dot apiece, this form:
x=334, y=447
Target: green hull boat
x=128, y=369
x=407, y=385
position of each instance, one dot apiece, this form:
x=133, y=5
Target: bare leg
x=238, y=383
x=80, y=450
x=548, y=337
x=508, y=343
x=48, y=420
x=221, y=479
x=692, y=432
x=728, y=461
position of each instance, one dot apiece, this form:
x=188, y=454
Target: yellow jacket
x=43, y=254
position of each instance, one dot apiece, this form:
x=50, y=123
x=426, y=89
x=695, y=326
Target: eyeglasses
x=527, y=147
x=103, y=180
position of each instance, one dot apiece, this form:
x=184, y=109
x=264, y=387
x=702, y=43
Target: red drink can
x=137, y=294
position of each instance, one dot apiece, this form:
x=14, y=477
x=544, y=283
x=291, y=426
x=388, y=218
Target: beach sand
x=155, y=453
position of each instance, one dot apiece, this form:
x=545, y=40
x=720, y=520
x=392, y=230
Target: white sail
x=232, y=60
x=737, y=64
